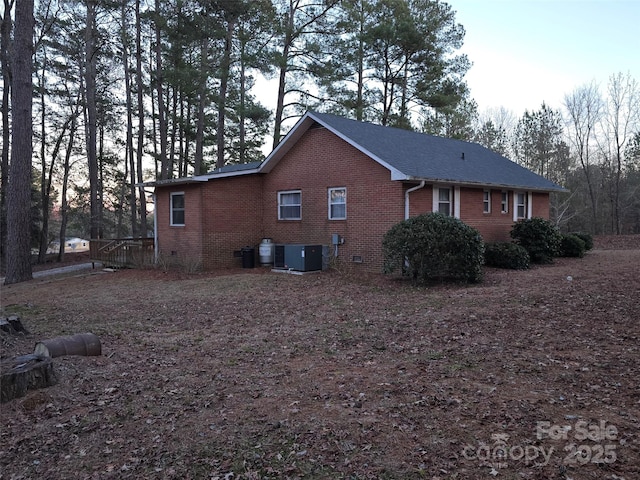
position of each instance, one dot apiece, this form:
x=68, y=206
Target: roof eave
x=171, y=182
x=196, y=179
x=301, y=127
x=290, y=139
x=468, y=183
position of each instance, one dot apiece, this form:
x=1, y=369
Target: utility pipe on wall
x=155, y=229
x=406, y=198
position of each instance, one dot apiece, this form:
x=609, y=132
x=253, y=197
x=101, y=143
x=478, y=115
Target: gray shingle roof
x=236, y=167
x=408, y=156
x=417, y=156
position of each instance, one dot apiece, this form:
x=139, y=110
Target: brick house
x=331, y=175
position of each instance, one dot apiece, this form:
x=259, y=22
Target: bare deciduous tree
x=620, y=124
x=584, y=109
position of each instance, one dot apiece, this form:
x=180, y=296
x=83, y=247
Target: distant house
x=71, y=245
x=333, y=176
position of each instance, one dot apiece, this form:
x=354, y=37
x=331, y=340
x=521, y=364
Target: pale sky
x=525, y=52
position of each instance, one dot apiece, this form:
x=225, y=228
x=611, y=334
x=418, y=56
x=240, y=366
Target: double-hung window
x=337, y=203
x=177, y=209
x=504, y=202
x=290, y=205
x=486, y=201
x=444, y=200
x=521, y=205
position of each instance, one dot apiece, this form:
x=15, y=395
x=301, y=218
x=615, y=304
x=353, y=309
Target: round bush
x=434, y=246
x=572, y=246
x=587, y=238
x=539, y=237
x=506, y=255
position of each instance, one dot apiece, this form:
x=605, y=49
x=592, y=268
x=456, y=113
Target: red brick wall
x=420, y=201
x=180, y=244
x=541, y=205
x=221, y=217
x=225, y=214
x=321, y=160
x=232, y=218
x=493, y=226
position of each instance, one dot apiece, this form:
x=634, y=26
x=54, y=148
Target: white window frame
x=486, y=201
x=173, y=209
x=504, y=201
x=454, y=199
x=437, y=201
x=527, y=206
x=341, y=200
x=283, y=193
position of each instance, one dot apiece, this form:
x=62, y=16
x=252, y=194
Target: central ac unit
x=303, y=258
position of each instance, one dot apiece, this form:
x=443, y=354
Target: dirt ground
x=249, y=374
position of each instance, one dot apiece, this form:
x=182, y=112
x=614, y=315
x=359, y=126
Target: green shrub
x=572, y=246
x=539, y=237
x=506, y=255
x=587, y=238
x=434, y=246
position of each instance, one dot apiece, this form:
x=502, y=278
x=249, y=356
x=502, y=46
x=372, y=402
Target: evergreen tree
x=492, y=136
x=298, y=24
x=6, y=26
x=539, y=143
x=18, y=256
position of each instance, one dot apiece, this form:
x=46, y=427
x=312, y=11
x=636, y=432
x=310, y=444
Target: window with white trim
x=486, y=201
x=337, y=203
x=504, y=202
x=177, y=209
x=444, y=200
x=290, y=205
x=521, y=205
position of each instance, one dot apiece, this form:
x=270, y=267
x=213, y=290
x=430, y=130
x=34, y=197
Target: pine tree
x=18, y=261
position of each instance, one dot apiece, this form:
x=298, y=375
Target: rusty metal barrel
x=85, y=344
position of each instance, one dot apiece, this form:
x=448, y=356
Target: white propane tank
x=265, y=251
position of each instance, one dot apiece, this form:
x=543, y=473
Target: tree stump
x=12, y=325
x=27, y=372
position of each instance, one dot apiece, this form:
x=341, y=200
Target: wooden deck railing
x=122, y=252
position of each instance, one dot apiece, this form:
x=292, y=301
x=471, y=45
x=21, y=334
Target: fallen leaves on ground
x=250, y=374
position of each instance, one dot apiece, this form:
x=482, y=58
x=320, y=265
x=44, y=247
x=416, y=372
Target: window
x=177, y=208
x=444, y=200
x=504, y=202
x=486, y=201
x=337, y=203
x=521, y=205
x=290, y=205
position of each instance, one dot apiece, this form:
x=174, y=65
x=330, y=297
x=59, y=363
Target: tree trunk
x=91, y=115
x=64, y=208
x=129, y=140
x=224, y=82
x=281, y=93
x=202, y=95
x=5, y=41
x=44, y=197
x=18, y=264
x=242, y=117
x=165, y=171
x=617, y=214
x=176, y=137
x=185, y=143
x=360, y=86
x=140, y=146
x=46, y=192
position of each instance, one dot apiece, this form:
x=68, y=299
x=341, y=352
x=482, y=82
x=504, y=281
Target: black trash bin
x=248, y=257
